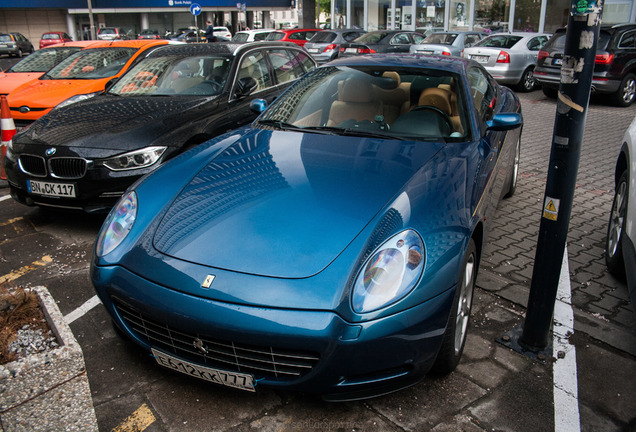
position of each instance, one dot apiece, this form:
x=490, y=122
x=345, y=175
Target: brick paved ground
x=509, y=257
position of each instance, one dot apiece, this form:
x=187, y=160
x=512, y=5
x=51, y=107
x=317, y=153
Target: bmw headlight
x=135, y=159
x=117, y=225
x=76, y=98
x=390, y=273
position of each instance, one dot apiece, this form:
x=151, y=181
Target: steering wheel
x=437, y=111
x=216, y=86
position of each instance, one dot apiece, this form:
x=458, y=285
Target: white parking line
x=82, y=310
x=5, y=197
x=566, y=400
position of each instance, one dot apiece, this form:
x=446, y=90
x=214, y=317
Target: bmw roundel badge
x=50, y=151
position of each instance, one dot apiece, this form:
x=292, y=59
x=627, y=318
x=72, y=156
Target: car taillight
x=330, y=47
x=542, y=55
x=366, y=51
x=604, y=59
x=503, y=57
x=446, y=53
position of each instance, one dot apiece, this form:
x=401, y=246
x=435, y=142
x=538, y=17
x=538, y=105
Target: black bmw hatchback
x=85, y=155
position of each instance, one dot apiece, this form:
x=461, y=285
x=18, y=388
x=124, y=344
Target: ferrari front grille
x=262, y=361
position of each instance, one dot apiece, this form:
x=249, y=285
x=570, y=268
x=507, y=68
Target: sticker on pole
x=551, y=208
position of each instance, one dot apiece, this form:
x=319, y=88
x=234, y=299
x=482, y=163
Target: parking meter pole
x=573, y=98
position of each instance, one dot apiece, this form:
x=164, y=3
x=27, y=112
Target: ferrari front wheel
x=457, y=328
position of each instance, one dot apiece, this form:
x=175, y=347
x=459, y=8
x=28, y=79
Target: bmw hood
x=114, y=123
x=285, y=204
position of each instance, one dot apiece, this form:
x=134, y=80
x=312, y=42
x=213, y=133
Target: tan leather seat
x=355, y=102
x=441, y=99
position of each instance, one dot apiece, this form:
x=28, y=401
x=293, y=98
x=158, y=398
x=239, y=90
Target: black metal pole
x=573, y=98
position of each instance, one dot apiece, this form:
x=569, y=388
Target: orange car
x=33, y=66
x=79, y=76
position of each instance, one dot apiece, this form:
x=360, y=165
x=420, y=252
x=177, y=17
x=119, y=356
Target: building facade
x=455, y=15
x=35, y=17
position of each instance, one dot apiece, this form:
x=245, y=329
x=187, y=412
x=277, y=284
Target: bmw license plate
x=230, y=379
x=64, y=190
x=480, y=58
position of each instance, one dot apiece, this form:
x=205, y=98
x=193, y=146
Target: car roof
x=224, y=48
x=452, y=64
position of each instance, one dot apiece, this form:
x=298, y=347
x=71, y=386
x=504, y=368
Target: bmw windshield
x=172, y=75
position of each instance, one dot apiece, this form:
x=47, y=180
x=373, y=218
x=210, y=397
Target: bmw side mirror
x=245, y=86
x=258, y=105
x=505, y=122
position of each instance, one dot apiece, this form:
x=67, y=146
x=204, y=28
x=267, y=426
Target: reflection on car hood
x=112, y=122
x=285, y=204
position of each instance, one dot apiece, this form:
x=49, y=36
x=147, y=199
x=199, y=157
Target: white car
x=620, y=255
x=251, y=35
x=223, y=32
x=509, y=57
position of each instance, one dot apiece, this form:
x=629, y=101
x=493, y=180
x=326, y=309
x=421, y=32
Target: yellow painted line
x=26, y=269
x=137, y=421
x=11, y=221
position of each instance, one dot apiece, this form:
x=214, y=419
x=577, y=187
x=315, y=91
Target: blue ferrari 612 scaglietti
x=331, y=246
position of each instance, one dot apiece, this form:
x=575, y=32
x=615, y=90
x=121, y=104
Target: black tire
x=616, y=228
x=515, y=170
x=550, y=92
x=19, y=54
x=457, y=328
x=624, y=97
x=527, y=82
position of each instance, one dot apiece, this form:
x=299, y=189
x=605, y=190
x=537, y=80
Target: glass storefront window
x=340, y=13
x=357, y=14
x=380, y=15
x=459, y=14
x=429, y=15
x=492, y=16
x=527, y=13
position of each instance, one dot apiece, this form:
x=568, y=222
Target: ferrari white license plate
x=231, y=379
x=64, y=190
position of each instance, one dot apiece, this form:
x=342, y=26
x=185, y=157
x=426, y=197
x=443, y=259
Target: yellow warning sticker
x=551, y=208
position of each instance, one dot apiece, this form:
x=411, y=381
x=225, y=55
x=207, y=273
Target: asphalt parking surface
x=493, y=388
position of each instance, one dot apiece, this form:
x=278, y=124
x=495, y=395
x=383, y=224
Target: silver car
x=447, y=43
x=620, y=248
x=510, y=57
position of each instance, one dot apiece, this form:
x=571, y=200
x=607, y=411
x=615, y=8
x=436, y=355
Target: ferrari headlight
x=135, y=159
x=390, y=273
x=117, y=225
x=76, y=98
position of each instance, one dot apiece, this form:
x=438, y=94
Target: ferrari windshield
x=408, y=104
x=175, y=75
x=43, y=60
x=91, y=64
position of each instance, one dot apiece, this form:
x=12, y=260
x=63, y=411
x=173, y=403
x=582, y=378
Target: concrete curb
x=49, y=390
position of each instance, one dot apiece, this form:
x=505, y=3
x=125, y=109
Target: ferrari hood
x=112, y=122
x=285, y=204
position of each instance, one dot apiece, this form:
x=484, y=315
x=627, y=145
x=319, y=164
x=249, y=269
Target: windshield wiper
x=279, y=124
x=371, y=134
